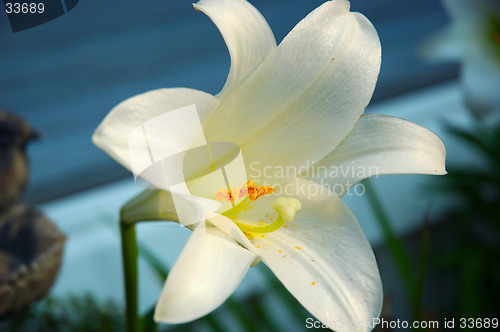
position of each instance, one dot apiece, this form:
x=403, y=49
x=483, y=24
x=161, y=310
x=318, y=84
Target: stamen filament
x=261, y=229
x=233, y=212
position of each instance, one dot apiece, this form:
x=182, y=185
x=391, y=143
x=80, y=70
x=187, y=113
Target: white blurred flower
x=284, y=106
x=473, y=38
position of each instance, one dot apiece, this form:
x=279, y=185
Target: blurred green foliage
x=472, y=253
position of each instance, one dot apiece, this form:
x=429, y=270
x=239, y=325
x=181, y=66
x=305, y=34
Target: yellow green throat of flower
x=285, y=207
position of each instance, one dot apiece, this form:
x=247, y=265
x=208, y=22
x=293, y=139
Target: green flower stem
x=148, y=205
x=130, y=255
x=396, y=247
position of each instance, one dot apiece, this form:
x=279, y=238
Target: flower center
x=285, y=207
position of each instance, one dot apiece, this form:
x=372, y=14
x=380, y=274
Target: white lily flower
x=473, y=38
x=284, y=106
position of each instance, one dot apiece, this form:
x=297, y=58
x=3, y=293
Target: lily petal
x=325, y=261
x=311, y=90
x=207, y=272
x=380, y=144
x=112, y=135
x=246, y=33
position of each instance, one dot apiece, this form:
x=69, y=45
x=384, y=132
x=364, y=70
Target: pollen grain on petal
x=313, y=283
x=249, y=236
x=298, y=247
